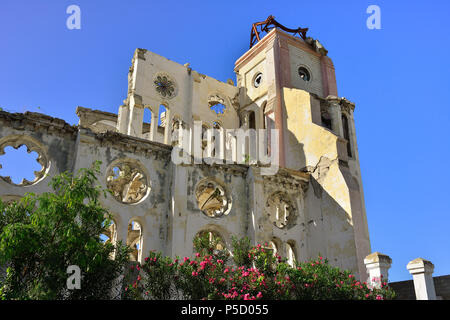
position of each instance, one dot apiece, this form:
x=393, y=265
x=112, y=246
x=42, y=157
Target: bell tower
x=288, y=81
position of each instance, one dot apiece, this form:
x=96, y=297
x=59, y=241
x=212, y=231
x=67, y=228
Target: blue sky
x=397, y=76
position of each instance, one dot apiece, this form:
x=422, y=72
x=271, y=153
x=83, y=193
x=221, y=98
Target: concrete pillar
x=136, y=116
x=336, y=116
x=154, y=125
x=377, y=265
x=122, y=122
x=167, y=127
x=422, y=272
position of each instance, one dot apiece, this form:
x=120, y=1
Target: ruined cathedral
x=313, y=204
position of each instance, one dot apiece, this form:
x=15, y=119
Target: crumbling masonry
x=314, y=204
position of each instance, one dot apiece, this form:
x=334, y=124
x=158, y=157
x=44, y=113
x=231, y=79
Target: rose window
x=127, y=183
x=212, y=199
x=164, y=86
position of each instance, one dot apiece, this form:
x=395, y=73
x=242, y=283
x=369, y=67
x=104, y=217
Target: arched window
x=162, y=113
x=252, y=120
x=146, y=125
x=275, y=244
x=134, y=240
x=215, y=240
x=347, y=134
x=110, y=235
x=290, y=253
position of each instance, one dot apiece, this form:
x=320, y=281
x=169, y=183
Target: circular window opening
x=127, y=182
x=304, y=73
x=258, y=80
x=212, y=199
x=22, y=163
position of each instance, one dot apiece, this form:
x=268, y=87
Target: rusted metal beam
x=269, y=24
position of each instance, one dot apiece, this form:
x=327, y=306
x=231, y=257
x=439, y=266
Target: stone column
x=334, y=108
x=422, y=272
x=154, y=125
x=136, y=116
x=122, y=119
x=377, y=265
x=167, y=125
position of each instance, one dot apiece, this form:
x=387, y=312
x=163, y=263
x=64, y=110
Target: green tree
x=256, y=274
x=41, y=235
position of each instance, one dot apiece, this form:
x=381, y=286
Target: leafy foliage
x=41, y=235
x=258, y=274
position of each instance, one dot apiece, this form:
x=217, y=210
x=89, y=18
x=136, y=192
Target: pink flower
x=246, y=296
x=139, y=278
x=186, y=259
x=197, y=254
x=194, y=273
x=379, y=297
x=146, y=259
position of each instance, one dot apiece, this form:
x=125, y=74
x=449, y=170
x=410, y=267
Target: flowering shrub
x=256, y=274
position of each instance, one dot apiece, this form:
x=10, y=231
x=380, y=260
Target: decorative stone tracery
x=17, y=141
x=165, y=86
x=212, y=199
x=280, y=209
x=127, y=181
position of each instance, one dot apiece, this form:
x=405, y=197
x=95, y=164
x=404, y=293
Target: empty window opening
x=110, y=235
x=218, y=108
x=134, y=240
x=304, y=74
x=147, y=120
x=212, y=199
x=325, y=116
x=347, y=134
x=257, y=80
x=19, y=164
x=127, y=182
x=215, y=240
x=274, y=247
x=252, y=120
x=290, y=254
x=162, y=116
x=326, y=120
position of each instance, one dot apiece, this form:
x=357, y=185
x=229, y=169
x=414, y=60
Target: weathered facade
x=313, y=204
